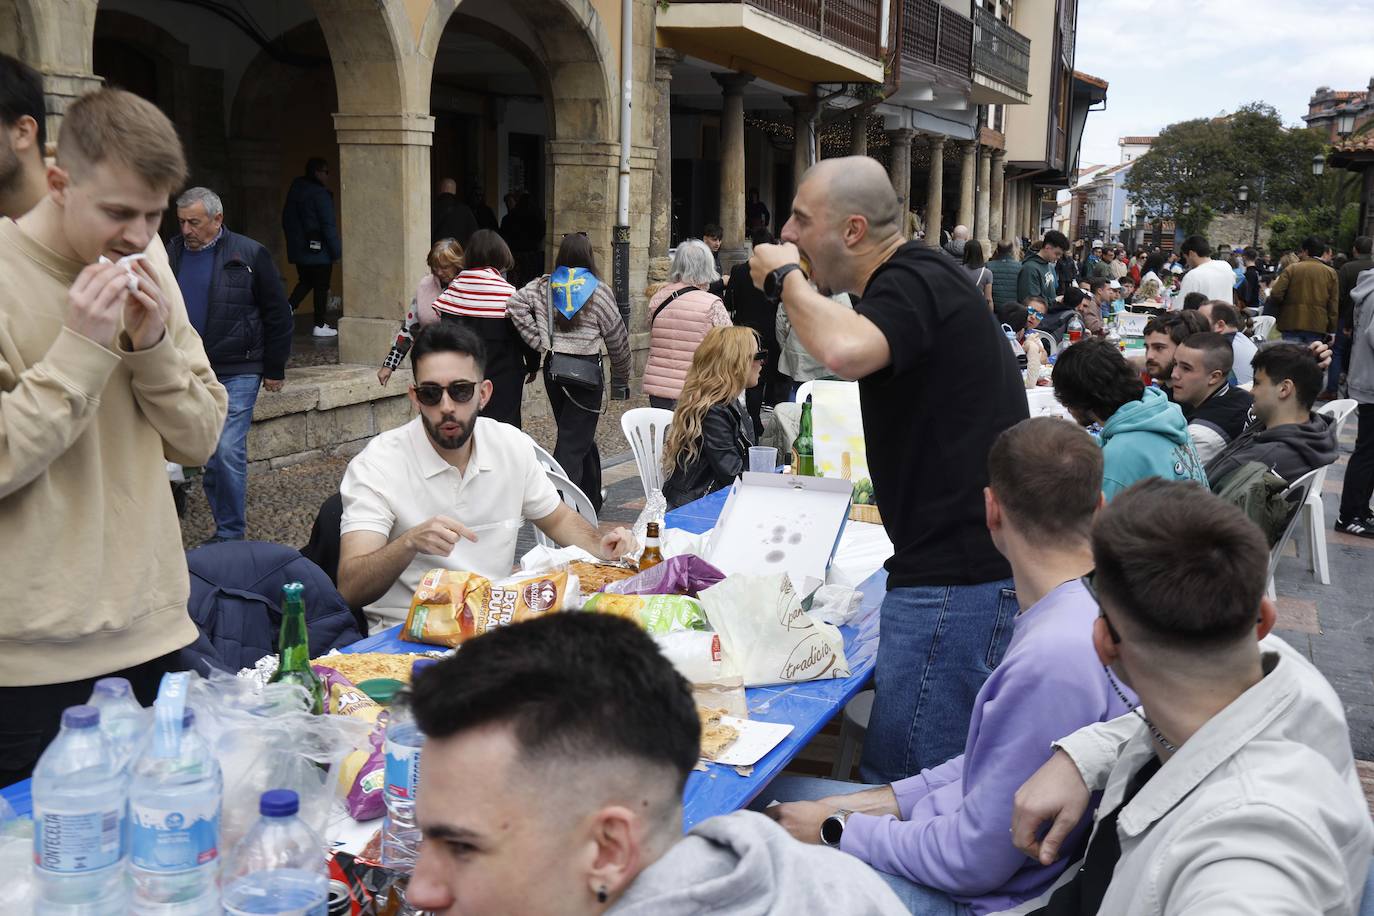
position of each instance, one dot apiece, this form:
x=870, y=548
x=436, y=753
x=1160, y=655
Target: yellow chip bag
x=452, y=607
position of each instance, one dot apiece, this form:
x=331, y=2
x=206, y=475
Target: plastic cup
x=763, y=459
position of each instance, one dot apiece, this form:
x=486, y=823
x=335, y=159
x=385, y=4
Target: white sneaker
x=325, y=330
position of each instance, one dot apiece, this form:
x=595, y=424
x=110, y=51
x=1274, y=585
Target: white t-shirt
x=1242, y=352
x=1214, y=279
x=399, y=481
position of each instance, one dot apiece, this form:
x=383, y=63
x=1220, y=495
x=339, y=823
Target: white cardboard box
x=780, y=523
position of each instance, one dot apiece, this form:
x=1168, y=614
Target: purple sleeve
x=957, y=838
x=911, y=790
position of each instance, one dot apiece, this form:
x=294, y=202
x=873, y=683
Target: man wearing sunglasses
x=448, y=489
x=1232, y=788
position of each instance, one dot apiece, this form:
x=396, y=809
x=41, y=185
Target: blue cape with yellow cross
x=571, y=287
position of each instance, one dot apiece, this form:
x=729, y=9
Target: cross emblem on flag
x=575, y=281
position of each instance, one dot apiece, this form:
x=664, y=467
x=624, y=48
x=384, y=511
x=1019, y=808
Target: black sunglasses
x=761, y=356
x=431, y=393
x=1089, y=584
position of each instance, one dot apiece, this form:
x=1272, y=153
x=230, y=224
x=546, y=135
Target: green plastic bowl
x=382, y=689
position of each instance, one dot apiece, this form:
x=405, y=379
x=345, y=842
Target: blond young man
x=102, y=380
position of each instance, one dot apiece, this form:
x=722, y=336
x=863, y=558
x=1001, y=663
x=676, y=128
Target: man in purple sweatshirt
x=942, y=838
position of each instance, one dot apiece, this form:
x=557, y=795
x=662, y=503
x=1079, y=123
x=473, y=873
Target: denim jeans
x=919, y=899
x=226, y=473
x=936, y=647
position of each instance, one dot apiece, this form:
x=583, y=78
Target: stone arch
x=368, y=42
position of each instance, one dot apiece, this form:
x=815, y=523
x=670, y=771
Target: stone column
x=1032, y=211
x=858, y=134
x=60, y=90
x=661, y=205
x=966, y=166
x=732, y=248
x=384, y=191
x=1012, y=227
x=804, y=153
x=899, y=169
x=983, y=200
x=997, y=200
x=935, y=189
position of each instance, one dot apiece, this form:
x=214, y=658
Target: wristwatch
x=772, y=284
x=832, y=828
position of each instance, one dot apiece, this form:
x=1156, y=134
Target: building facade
x=1338, y=113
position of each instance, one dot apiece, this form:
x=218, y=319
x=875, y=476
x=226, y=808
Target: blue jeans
x=226, y=473
x=937, y=644
x=919, y=899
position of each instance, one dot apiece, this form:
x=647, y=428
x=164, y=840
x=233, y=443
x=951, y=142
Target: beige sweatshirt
x=92, y=573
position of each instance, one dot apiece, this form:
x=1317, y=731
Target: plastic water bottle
x=174, y=806
x=400, y=835
x=278, y=868
x=122, y=719
x=80, y=802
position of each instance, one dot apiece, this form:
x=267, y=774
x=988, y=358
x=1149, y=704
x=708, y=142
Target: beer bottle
x=651, y=556
x=803, y=448
x=293, y=647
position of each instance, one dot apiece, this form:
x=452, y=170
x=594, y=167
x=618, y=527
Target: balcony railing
x=999, y=51
x=933, y=35
x=850, y=23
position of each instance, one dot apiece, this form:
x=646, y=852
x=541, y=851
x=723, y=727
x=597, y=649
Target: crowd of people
x=1080, y=705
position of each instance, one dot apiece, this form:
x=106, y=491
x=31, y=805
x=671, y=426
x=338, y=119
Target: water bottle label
x=77, y=842
x=174, y=839
x=402, y=771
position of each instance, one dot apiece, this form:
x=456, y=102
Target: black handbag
x=568, y=370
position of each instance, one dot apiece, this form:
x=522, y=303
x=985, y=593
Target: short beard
x=11, y=170
x=448, y=442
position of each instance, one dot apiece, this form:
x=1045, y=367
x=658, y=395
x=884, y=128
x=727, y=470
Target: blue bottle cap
x=114, y=687
x=419, y=665
x=279, y=803
x=80, y=717
x=188, y=718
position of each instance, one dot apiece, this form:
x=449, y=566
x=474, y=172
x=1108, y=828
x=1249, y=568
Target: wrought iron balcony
x=935, y=36
x=852, y=24
x=1000, y=52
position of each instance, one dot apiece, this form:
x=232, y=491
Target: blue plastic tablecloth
x=807, y=707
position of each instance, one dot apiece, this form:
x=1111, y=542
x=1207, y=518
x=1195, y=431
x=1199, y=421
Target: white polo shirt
x=1214, y=279
x=399, y=481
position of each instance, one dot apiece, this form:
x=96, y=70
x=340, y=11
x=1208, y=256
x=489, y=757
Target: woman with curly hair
x=708, y=444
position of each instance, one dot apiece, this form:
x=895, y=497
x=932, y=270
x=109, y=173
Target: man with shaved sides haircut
x=937, y=384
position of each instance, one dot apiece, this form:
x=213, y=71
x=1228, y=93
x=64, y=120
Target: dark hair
x=1155, y=264
x=1071, y=299
x=973, y=254
x=576, y=251
x=1294, y=362
x=1056, y=239
x=1197, y=588
x=713, y=230
x=1096, y=283
x=761, y=236
x=448, y=336
x=1250, y=254
x=486, y=248
x=1178, y=325
x=1193, y=300
x=1014, y=315
x=1041, y=299
x=1003, y=249
x=1314, y=246
x=1197, y=245
x=21, y=93
x=572, y=688
x=1217, y=354
x=1092, y=376
x=313, y=165
x=1224, y=312
x=1363, y=243
x=1047, y=455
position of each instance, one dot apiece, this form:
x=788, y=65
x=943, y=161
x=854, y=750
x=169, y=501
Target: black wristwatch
x=832, y=828
x=772, y=284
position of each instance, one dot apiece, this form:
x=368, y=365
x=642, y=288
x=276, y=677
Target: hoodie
x=1290, y=450
x=1360, y=378
x=746, y=865
x=1147, y=438
x=1037, y=279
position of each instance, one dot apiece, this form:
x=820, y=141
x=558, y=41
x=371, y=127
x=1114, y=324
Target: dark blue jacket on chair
x=236, y=604
x=248, y=321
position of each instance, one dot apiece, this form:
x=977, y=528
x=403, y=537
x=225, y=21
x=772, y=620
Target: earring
x=601, y=895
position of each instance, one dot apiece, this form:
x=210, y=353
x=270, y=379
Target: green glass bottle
x=293, y=647
x=804, y=447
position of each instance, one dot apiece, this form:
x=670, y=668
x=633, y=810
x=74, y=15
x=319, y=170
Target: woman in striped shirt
x=477, y=298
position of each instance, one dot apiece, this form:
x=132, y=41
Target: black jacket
x=748, y=306
x=726, y=435
x=453, y=219
x=309, y=217
x=1228, y=410
x=248, y=321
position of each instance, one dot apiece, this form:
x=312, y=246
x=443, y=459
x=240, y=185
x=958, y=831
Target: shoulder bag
x=568, y=370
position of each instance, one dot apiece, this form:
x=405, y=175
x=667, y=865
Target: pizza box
x=780, y=523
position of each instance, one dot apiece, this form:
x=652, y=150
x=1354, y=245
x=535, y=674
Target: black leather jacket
x=726, y=434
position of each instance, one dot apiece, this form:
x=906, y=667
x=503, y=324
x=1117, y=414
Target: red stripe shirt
x=479, y=293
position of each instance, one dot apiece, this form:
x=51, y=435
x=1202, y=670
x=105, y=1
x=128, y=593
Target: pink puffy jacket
x=676, y=334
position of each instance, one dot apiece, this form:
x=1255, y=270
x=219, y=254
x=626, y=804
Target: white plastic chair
x=1296, y=495
x=547, y=461
x=574, y=498
x=1312, y=534
x=1263, y=325
x=803, y=392
x=1047, y=339
x=646, y=428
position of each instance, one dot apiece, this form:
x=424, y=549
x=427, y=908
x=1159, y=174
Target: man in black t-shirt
x=937, y=384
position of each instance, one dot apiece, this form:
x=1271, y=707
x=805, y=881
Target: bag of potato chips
x=655, y=613
x=362, y=773
x=452, y=607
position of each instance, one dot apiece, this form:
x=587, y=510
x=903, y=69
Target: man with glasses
x=1232, y=788
x=448, y=489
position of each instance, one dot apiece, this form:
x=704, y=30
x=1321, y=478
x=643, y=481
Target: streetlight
x=1243, y=193
x=1318, y=165
x=1345, y=124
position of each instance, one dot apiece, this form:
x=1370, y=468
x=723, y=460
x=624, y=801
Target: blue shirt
x=193, y=276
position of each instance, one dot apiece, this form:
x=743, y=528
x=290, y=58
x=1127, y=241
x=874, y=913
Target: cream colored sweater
x=92, y=573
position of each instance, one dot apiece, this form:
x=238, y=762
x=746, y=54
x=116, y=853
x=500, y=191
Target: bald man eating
x=937, y=384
